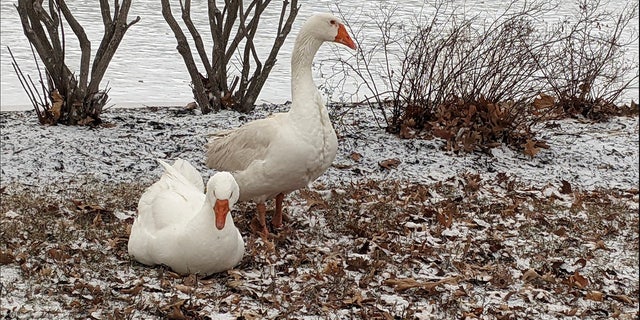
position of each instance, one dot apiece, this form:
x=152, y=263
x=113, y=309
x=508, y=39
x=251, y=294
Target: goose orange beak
x=344, y=38
x=221, y=208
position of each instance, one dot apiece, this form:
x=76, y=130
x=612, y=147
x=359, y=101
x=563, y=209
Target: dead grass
x=462, y=248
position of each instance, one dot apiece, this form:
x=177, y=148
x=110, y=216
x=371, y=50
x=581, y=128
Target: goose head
x=327, y=27
x=223, y=192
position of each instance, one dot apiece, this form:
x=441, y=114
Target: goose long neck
x=302, y=85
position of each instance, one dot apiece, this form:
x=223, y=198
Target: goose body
x=181, y=226
x=280, y=154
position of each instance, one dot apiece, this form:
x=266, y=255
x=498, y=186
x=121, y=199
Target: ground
x=395, y=229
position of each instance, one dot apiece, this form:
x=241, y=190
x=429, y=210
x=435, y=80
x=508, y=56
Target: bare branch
x=85, y=46
x=259, y=79
x=197, y=39
x=185, y=52
x=110, y=41
x=105, y=11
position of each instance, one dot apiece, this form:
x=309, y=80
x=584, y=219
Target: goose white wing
x=166, y=204
x=236, y=149
x=190, y=173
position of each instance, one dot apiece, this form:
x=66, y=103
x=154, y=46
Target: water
x=147, y=69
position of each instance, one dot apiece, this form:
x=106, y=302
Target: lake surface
x=148, y=70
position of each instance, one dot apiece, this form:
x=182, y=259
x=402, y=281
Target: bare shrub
x=464, y=79
x=215, y=88
x=66, y=98
x=584, y=66
x=479, y=82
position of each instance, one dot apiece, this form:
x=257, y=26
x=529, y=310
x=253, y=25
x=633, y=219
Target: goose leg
x=277, y=216
x=262, y=209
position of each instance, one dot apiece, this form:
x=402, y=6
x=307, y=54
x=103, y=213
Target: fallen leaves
x=56, y=108
x=134, y=290
x=389, y=163
x=530, y=274
x=566, y=187
x=314, y=199
x=355, y=156
x=410, y=283
x=6, y=257
x=379, y=245
x=530, y=148
x=576, y=279
x=543, y=102
x=595, y=296
x=622, y=298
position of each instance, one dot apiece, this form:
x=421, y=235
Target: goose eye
x=332, y=22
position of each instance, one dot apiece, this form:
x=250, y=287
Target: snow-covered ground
x=439, y=236
x=588, y=155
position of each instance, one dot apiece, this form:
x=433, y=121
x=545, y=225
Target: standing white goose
x=180, y=226
x=274, y=156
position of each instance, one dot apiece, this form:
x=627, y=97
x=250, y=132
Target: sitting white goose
x=277, y=155
x=180, y=226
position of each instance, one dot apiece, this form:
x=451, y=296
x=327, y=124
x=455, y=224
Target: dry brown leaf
x=334, y=267
x=578, y=280
x=572, y=312
x=406, y=131
x=530, y=275
x=460, y=293
x=549, y=277
x=355, y=156
x=97, y=220
x=582, y=262
x=176, y=314
x=402, y=284
x=543, y=102
x=508, y=296
x=530, y=148
x=356, y=299
x=616, y=312
x=561, y=232
x=190, y=280
x=409, y=283
x=566, y=187
x=621, y=297
x=600, y=245
x=184, y=289
x=445, y=218
x=56, y=109
x=58, y=255
x=443, y=133
x=177, y=303
x=594, y=295
x=135, y=290
x=86, y=121
x=389, y=163
x=341, y=166
x=313, y=199
x=6, y=257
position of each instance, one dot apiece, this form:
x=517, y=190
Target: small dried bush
x=585, y=66
x=479, y=83
x=233, y=25
x=61, y=96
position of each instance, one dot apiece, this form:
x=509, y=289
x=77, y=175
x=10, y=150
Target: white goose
x=274, y=156
x=180, y=226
